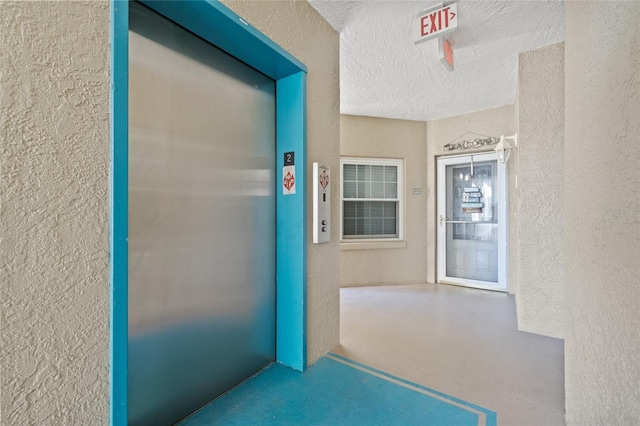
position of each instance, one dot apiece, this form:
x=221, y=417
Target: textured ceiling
x=384, y=74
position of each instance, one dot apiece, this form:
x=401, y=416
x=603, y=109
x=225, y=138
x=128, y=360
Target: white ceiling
x=384, y=74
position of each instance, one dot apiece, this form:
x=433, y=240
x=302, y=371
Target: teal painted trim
x=223, y=28
x=119, y=205
x=341, y=394
x=220, y=26
x=291, y=213
x=491, y=416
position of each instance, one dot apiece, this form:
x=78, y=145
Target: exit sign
x=435, y=23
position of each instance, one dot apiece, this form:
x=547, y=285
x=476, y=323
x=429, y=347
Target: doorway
x=285, y=78
x=472, y=221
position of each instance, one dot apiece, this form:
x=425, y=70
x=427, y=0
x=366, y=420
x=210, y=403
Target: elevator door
x=201, y=221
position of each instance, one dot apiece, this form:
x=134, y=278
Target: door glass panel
x=472, y=221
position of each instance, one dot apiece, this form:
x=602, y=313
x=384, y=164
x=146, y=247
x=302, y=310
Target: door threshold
x=497, y=290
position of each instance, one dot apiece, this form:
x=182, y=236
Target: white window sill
x=371, y=245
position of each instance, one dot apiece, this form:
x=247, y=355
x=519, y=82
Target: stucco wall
x=54, y=216
x=492, y=122
x=54, y=222
x=363, y=263
x=538, y=241
x=514, y=258
x=602, y=213
x=300, y=30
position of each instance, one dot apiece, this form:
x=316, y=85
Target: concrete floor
x=459, y=341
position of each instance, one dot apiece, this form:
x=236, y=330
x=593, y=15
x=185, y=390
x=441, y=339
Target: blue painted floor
x=337, y=391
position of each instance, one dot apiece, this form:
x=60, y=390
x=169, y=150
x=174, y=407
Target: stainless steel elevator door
x=201, y=221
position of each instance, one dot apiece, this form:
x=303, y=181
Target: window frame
x=397, y=162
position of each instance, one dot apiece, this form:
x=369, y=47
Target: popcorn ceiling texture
x=602, y=214
x=300, y=30
x=54, y=101
x=384, y=74
x=387, y=138
x=54, y=214
x=540, y=152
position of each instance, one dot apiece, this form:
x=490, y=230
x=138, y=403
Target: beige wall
x=55, y=244
x=54, y=223
x=492, y=122
x=536, y=266
x=602, y=214
x=537, y=243
x=514, y=257
x=300, y=30
x=365, y=263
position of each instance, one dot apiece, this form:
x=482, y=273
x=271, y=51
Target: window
x=371, y=198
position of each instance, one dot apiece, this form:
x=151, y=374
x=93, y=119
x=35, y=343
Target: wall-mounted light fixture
x=503, y=148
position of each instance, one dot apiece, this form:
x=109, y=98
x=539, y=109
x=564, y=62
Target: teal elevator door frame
x=217, y=24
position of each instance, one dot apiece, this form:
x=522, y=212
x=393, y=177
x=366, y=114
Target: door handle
x=442, y=220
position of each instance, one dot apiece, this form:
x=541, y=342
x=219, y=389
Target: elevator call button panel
x=321, y=204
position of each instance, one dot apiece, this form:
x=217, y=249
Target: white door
x=472, y=221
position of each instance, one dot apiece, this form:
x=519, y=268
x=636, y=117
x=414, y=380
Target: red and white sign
x=321, y=204
x=446, y=53
x=435, y=23
x=324, y=179
x=289, y=180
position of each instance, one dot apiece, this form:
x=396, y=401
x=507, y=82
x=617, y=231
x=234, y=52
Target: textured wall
x=492, y=122
x=54, y=223
x=602, y=213
x=514, y=258
x=363, y=263
x=538, y=242
x=300, y=30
